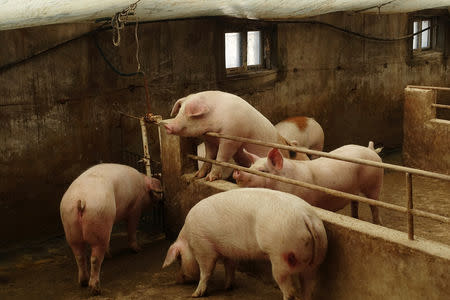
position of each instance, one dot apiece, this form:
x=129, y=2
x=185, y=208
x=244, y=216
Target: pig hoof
x=136, y=248
x=198, y=294
x=211, y=177
x=199, y=174
x=84, y=282
x=95, y=290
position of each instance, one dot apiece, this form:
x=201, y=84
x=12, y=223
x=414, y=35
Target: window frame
x=243, y=26
x=431, y=37
x=440, y=39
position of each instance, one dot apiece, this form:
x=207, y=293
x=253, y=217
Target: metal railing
x=438, y=88
x=409, y=210
x=440, y=105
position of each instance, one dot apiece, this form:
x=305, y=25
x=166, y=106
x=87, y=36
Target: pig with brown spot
x=330, y=173
x=98, y=198
x=303, y=132
x=252, y=223
x=220, y=112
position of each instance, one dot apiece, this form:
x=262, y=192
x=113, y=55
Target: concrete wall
x=57, y=110
x=426, y=143
x=364, y=261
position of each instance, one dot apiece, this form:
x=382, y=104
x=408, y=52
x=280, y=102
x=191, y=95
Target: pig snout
x=236, y=175
x=170, y=129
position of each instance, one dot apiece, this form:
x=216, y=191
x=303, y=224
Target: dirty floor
x=47, y=270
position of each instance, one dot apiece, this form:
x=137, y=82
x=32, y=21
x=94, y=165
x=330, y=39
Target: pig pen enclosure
x=366, y=71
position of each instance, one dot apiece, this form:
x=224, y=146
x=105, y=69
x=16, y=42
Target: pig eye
x=264, y=171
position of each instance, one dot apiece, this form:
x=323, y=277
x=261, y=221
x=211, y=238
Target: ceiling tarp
x=26, y=13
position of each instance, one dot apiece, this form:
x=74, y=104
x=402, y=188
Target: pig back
x=93, y=195
x=249, y=222
x=125, y=184
x=235, y=116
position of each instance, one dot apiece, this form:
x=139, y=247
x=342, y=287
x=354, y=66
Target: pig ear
x=176, y=107
x=196, y=108
x=172, y=254
x=252, y=157
x=276, y=158
x=153, y=184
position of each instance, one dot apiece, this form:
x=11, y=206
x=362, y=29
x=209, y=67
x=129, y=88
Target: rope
x=119, y=20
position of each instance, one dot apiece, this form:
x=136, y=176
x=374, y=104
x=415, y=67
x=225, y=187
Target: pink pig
x=251, y=223
x=301, y=131
x=98, y=198
x=220, y=112
x=334, y=174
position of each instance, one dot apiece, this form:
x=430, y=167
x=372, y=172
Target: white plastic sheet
x=25, y=13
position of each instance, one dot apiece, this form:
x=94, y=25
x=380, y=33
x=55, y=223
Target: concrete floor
x=47, y=269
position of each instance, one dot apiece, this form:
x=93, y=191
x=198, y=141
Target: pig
x=251, y=223
x=334, y=174
x=301, y=131
x=220, y=112
x=101, y=196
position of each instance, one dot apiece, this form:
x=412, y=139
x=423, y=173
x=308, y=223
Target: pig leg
x=74, y=238
x=97, y=255
x=226, y=151
x=354, y=209
x=308, y=282
x=132, y=224
x=79, y=251
x=375, y=215
x=230, y=267
x=206, y=264
x=211, y=152
x=286, y=281
x=374, y=194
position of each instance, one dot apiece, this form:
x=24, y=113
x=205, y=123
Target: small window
x=422, y=41
x=233, y=57
x=244, y=51
x=254, y=48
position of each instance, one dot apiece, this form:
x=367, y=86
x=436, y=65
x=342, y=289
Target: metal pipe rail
x=328, y=191
x=334, y=156
x=440, y=105
x=425, y=87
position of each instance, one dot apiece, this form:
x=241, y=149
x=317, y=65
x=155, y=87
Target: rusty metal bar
x=334, y=156
x=428, y=87
x=441, y=105
x=327, y=190
x=409, y=205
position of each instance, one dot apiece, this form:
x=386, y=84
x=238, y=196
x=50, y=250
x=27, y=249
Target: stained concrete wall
x=426, y=143
x=57, y=110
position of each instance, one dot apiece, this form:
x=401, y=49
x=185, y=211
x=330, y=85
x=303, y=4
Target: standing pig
x=220, y=112
x=251, y=223
x=98, y=198
x=301, y=131
x=334, y=174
